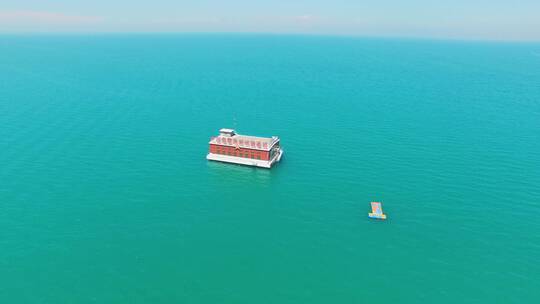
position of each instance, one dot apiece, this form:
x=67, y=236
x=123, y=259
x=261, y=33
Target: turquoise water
x=106, y=195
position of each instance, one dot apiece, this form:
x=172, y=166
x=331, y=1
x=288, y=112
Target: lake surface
x=106, y=195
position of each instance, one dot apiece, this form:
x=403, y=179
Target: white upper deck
x=228, y=137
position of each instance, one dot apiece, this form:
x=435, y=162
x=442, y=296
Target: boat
x=230, y=147
x=376, y=211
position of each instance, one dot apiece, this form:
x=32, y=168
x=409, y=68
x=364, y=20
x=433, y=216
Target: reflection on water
x=239, y=174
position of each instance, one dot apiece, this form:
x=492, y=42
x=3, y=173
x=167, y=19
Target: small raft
x=376, y=211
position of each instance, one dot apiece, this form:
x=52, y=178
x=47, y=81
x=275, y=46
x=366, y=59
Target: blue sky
x=474, y=19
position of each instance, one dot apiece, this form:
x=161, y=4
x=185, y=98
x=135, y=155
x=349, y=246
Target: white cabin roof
x=225, y=130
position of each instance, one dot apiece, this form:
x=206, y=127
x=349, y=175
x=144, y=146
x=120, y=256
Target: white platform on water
x=245, y=161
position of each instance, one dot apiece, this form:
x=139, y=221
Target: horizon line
x=247, y=33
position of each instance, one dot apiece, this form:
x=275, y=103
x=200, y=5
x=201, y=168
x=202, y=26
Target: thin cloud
x=45, y=18
x=304, y=18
